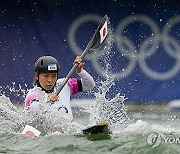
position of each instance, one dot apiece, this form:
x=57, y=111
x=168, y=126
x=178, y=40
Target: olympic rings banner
x=145, y=46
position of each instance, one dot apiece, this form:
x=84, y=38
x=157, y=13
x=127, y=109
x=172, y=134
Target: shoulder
x=75, y=85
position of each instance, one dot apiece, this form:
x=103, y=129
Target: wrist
x=79, y=71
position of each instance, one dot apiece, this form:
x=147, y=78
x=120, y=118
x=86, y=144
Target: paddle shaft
x=73, y=68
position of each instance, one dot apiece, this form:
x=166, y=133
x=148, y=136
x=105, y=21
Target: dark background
x=32, y=28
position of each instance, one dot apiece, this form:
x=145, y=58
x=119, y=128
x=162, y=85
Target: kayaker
x=46, y=71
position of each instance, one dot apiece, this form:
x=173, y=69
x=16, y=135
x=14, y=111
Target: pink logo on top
x=30, y=98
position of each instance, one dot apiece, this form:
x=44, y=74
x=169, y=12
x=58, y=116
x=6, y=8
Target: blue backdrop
x=145, y=57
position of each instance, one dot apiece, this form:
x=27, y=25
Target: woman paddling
x=46, y=83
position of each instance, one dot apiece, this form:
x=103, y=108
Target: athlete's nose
x=50, y=79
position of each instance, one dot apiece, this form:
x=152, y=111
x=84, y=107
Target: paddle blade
x=31, y=131
x=100, y=34
x=101, y=127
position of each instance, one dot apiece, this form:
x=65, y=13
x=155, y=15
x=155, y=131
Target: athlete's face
x=46, y=80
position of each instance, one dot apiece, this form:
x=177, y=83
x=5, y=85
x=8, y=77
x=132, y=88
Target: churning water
x=140, y=131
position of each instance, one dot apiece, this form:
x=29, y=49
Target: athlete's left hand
x=80, y=64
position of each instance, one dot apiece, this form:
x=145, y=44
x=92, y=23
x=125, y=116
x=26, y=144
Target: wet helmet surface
x=46, y=64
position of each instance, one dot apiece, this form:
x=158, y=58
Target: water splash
x=14, y=90
x=113, y=109
x=105, y=109
x=13, y=119
x=10, y=116
x=46, y=120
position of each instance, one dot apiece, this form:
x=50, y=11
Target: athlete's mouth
x=49, y=86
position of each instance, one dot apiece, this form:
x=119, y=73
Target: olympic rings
x=128, y=49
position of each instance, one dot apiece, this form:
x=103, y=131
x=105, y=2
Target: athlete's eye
x=54, y=75
x=45, y=75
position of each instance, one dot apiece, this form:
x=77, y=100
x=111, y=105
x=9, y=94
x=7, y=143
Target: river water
x=133, y=131
x=148, y=132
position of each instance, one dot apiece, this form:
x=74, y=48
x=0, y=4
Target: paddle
x=95, y=42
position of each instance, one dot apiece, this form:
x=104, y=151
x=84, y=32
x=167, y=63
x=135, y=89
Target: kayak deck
x=102, y=127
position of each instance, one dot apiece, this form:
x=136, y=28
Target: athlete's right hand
x=53, y=97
